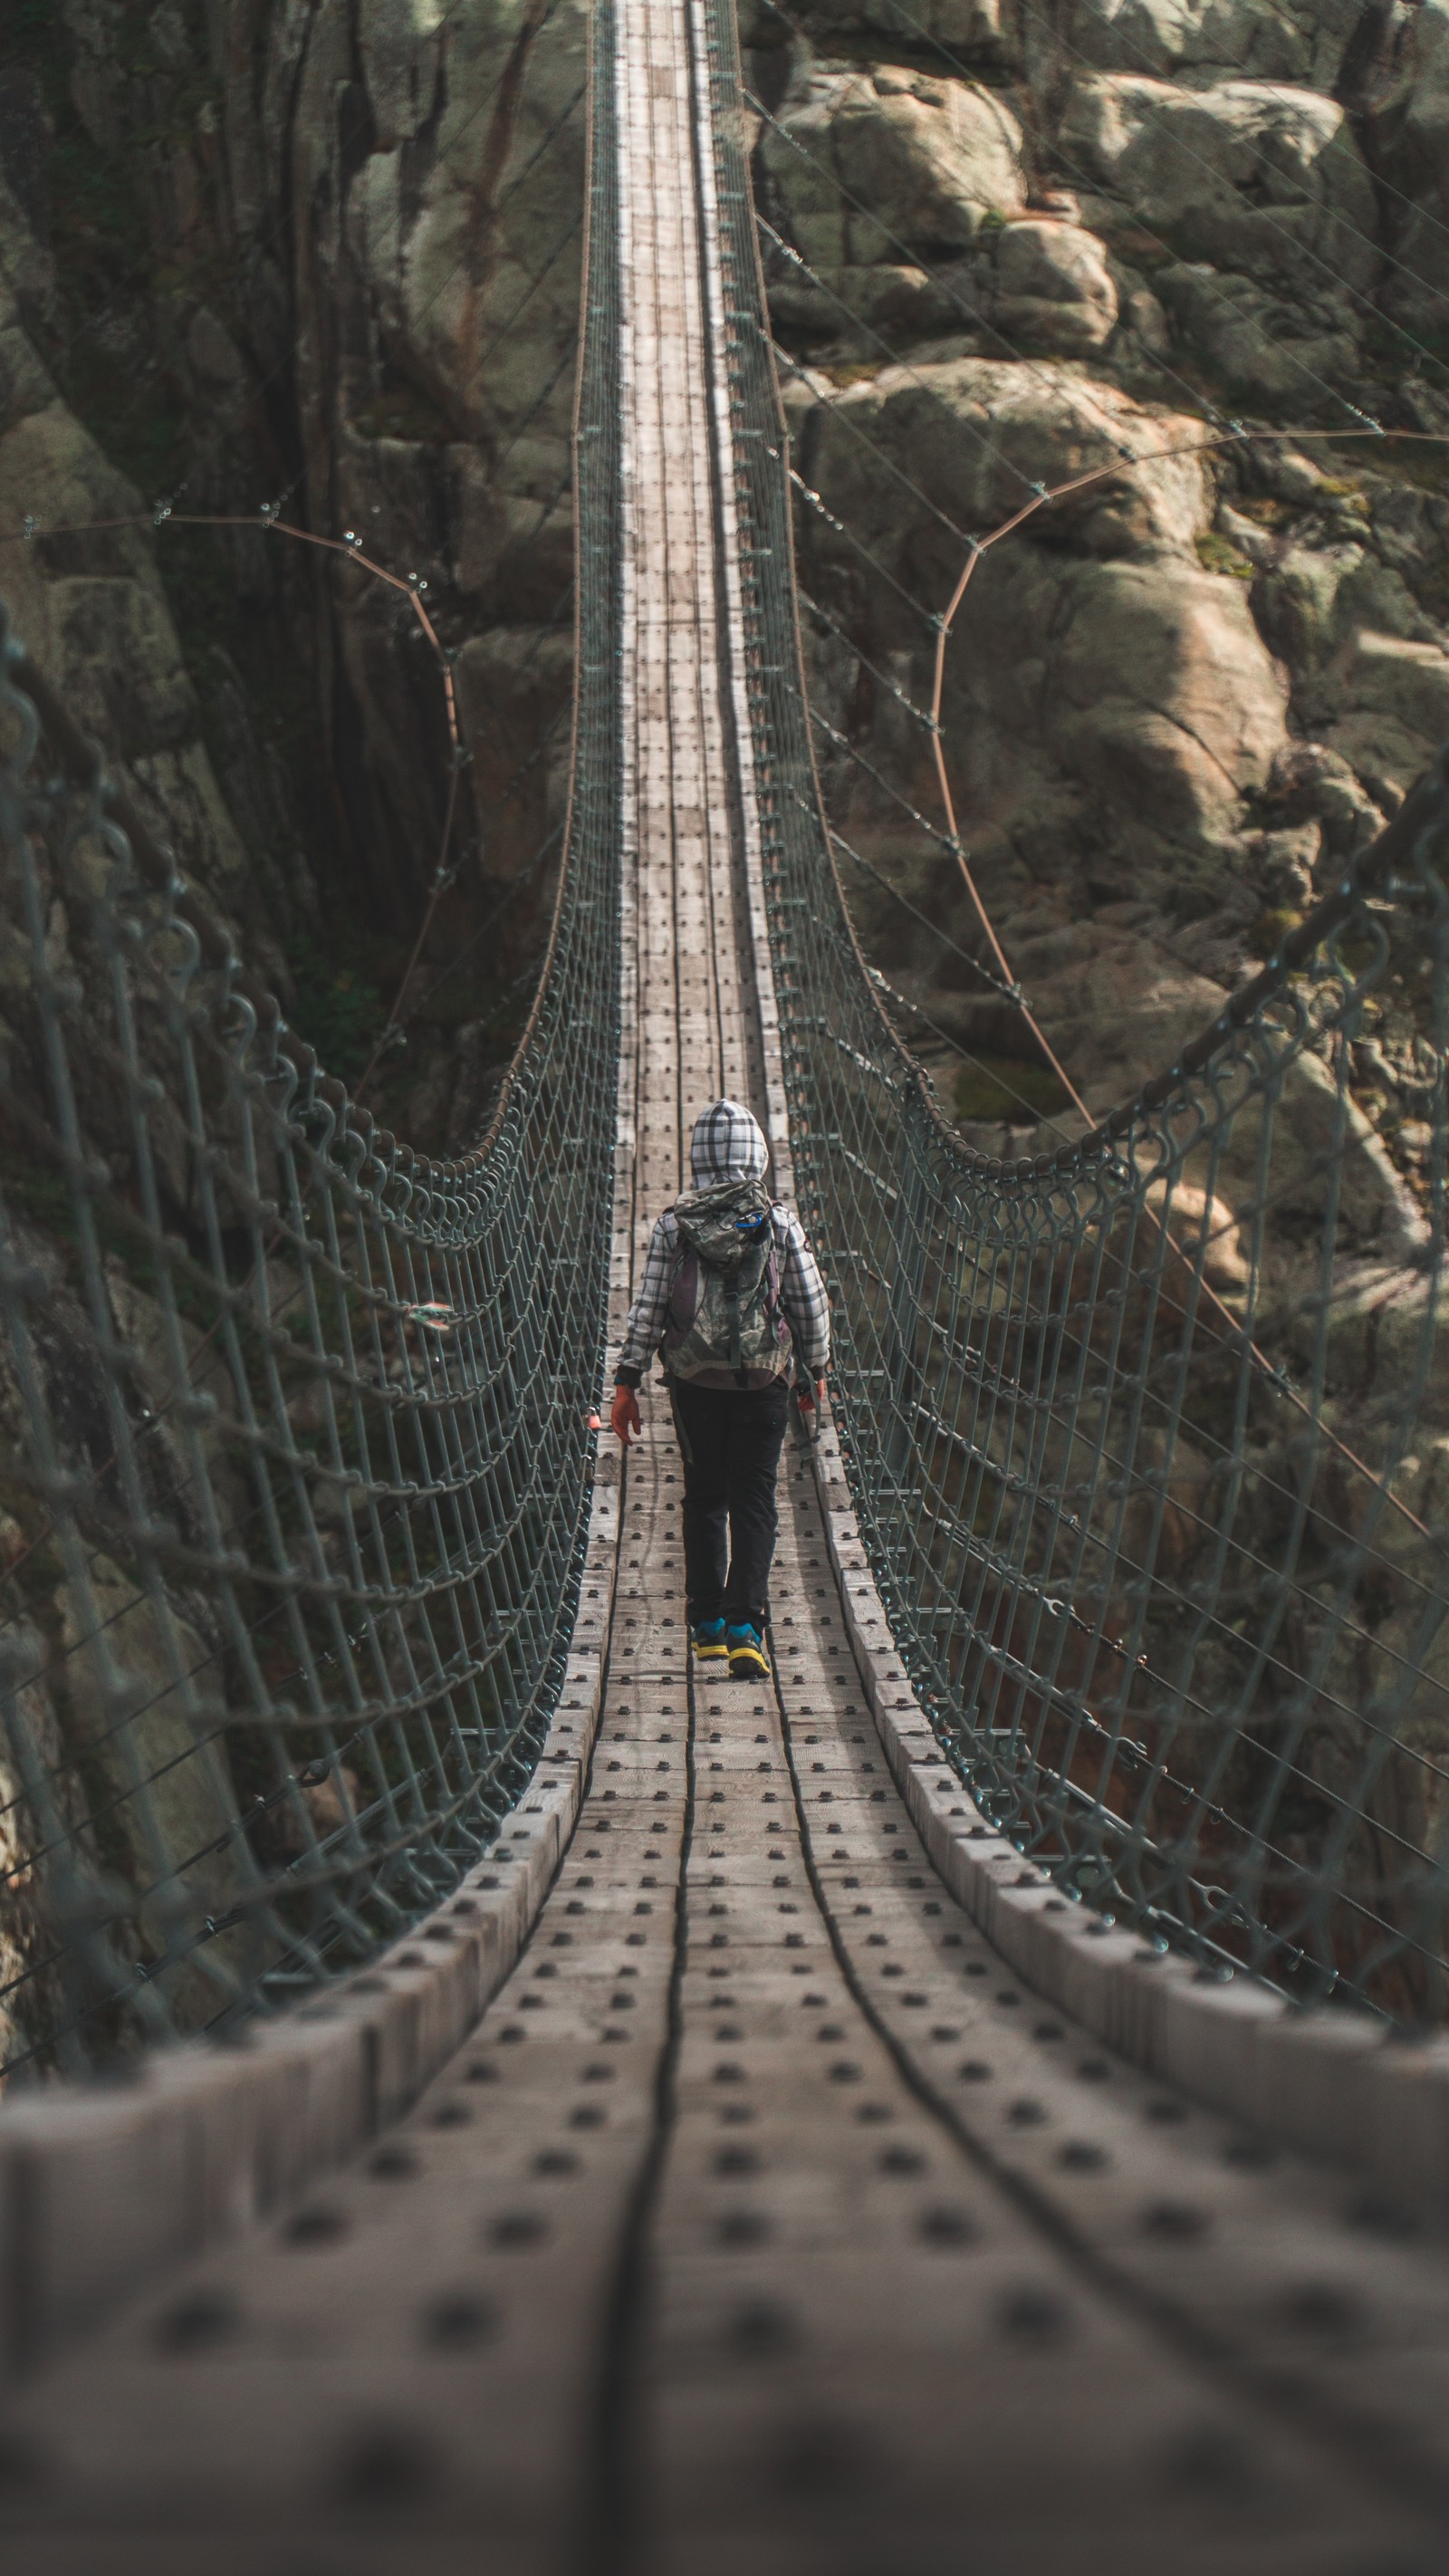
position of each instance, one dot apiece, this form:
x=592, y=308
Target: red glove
x=624, y=1414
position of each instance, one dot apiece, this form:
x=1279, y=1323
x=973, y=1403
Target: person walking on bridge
x=733, y=1300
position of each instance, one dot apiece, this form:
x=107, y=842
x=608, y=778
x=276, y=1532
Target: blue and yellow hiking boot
x=707, y=1638
x=746, y=1649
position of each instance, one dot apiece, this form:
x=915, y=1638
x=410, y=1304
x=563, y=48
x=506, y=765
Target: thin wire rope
x=808, y=376
x=1204, y=1432
x=280, y=233
x=1187, y=152
x=1285, y=349
x=950, y=840
x=813, y=501
x=10, y=1572
x=882, y=679
x=324, y=1252
x=827, y=1029
x=1225, y=60
x=891, y=354
x=971, y=312
x=980, y=319
x=157, y=1413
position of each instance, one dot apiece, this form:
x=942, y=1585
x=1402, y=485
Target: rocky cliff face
x=1018, y=242
x=326, y=258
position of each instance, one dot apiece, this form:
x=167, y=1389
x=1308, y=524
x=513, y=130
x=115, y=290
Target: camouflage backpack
x=725, y=1326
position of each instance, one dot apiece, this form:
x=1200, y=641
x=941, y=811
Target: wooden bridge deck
x=766, y=2220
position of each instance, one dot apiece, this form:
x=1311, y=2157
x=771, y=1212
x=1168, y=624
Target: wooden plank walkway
x=766, y=2220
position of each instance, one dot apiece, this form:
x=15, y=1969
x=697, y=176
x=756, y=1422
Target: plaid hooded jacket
x=728, y=1144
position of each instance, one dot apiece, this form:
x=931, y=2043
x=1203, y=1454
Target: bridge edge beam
x=103, y=2188
x=1341, y=2086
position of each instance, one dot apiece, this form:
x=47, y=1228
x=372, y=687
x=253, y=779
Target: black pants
x=730, y=1440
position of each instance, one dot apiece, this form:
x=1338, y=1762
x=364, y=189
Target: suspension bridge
x=482, y=2094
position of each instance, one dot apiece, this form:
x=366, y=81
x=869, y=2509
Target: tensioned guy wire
x=1135, y=1591
x=1225, y=59
x=1382, y=256
x=1301, y=366
x=1042, y=497
x=365, y=1542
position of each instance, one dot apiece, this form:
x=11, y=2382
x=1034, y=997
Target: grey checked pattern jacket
x=728, y=1144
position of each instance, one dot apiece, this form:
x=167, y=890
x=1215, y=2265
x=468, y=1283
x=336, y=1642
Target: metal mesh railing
x=297, y=1438
x=1149, y=1436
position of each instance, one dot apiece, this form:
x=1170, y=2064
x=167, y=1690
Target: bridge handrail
x=294, y=1551
x=1160, y=1553
x=299, y=1542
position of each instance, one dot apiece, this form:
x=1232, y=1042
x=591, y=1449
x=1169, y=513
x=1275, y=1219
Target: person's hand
x=811, y=1396
x=624, y=1415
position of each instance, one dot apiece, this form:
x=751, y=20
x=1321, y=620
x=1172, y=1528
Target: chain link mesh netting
x=296, y=1422
x=1148, y=1437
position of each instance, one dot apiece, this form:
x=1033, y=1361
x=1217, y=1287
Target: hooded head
x=728, y=1144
